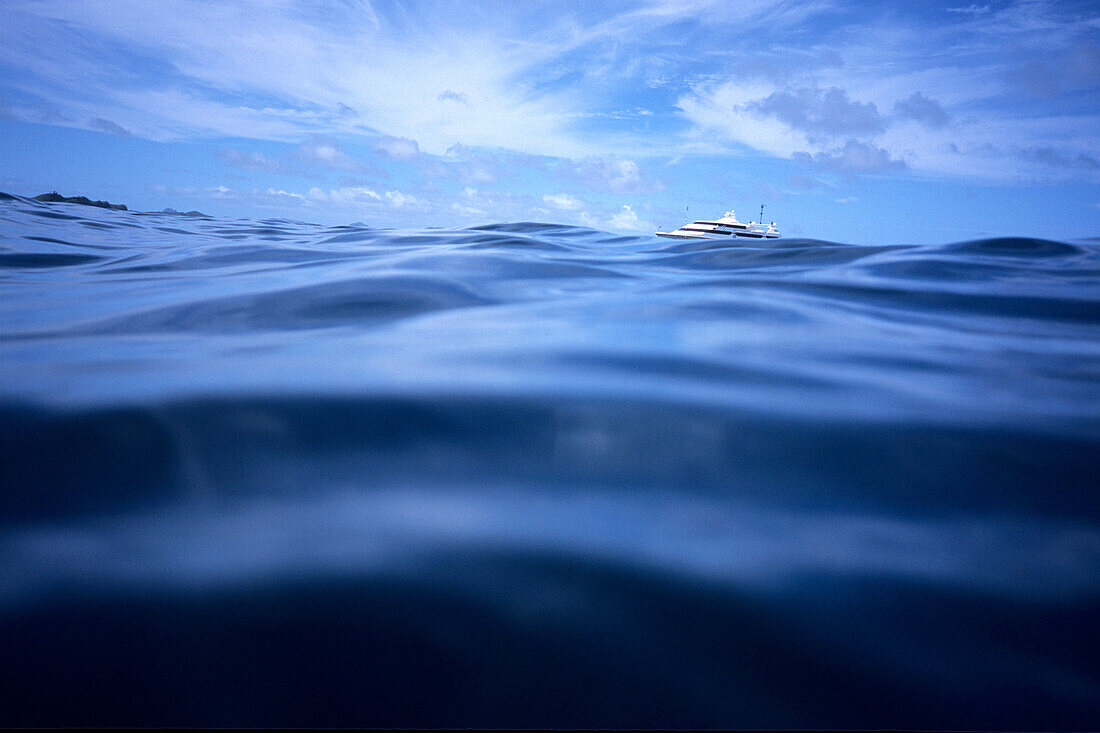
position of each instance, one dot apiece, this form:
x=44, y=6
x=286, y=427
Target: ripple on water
x=549, y=476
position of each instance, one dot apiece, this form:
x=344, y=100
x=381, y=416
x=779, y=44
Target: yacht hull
x=727, y=227
x=716, y=235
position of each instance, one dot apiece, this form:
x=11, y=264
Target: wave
x=274, y=473
x=529, y=638
x=107, y=458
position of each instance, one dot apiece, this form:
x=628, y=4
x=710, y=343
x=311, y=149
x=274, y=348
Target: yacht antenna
x=761, y=214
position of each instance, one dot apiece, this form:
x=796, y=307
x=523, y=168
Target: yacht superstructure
x=726, y=227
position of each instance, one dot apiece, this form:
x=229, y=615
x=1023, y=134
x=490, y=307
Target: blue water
x=265, y=472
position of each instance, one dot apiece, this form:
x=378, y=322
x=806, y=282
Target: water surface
x=264, y=472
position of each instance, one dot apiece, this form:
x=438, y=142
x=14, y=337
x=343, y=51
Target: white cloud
x=467, y=211
x=351, y=196
x=345, y=196
x=399, y=199
x=627, y=220
x=288, y=194
x=623, y=220
x=563, y=201
x=326, y=152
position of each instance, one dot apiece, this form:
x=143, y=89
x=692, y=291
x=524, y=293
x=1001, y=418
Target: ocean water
x=265, y=472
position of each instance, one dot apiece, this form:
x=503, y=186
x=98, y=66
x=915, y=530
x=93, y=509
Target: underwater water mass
x=270, y=473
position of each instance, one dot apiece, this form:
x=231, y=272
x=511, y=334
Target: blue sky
x=863, y=122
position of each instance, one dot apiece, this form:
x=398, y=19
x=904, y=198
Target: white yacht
x=725, y=228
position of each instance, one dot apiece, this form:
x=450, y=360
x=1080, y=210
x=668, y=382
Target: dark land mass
x=55, y=198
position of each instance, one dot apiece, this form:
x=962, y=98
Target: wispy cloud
x=108, y=126
x=617, y=175
x=216, y=66
x=970, y=9
x=476, y=166
x=449, y=95
x=1048, y=156
x=605, y=86
x=399, y=148
x=249, y=161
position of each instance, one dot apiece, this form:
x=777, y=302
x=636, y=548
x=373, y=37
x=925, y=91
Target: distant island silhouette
x=55, y=198
x=181, y=213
